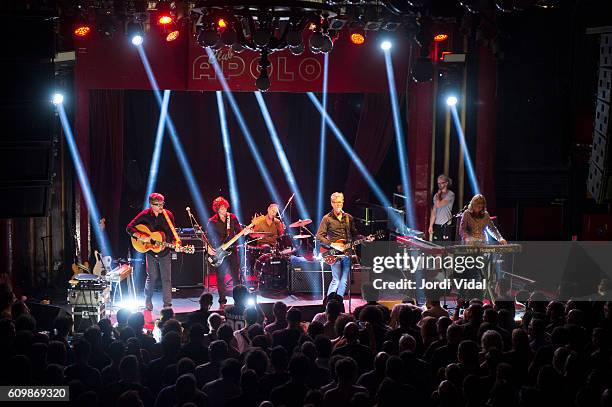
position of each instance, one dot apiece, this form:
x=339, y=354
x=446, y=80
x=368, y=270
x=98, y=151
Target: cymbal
x=300, y=223
x=301, y=236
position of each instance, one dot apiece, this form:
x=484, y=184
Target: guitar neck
x=230, y=242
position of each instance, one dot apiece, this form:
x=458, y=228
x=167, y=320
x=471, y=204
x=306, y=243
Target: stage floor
x=186, y=300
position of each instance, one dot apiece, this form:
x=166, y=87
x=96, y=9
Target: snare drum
x=285, y=245
x=271, y=272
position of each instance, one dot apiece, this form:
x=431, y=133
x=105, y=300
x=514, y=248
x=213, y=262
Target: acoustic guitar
x=157, y=243
x=340, y=248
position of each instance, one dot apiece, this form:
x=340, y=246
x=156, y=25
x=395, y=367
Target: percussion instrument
x=271, y=272
x=300, y=223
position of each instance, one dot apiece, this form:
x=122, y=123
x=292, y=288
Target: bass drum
x=271, y=272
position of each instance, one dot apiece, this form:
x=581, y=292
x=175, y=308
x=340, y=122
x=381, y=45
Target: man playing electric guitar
x=222, y=227
x=338, y=225
x=156, y=219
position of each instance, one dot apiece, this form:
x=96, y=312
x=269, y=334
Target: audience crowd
x=556, y=353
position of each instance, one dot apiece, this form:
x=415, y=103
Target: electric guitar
x=340, y=248
x=222, y=251
x=157, y=243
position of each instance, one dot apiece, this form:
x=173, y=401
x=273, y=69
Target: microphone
x=188, y=209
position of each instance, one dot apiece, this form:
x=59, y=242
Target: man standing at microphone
x=441, y=218
x=337, y=225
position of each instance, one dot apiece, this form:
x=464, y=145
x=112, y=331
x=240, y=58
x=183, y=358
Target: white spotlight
x=58, y=99
x=386, y=45
x=451, y=100
x=137, y=39
x=251, y=302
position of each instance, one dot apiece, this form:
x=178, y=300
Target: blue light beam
x=261, y=166
x=466, y=153
x=397, y=220
x=229, y=157
x=159, y=141
x=282, y=157
x=323, y=145
x=90, y=200
x=178, y=147
x=400, y=141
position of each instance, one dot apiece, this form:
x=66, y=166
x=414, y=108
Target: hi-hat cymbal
x=301, y=236
x=300, y=223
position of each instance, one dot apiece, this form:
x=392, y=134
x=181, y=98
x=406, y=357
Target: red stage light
x=440, y=37
x=173, y=35
x=221, y=23
x=82, y=30
x=165, y=19
x=357, y=38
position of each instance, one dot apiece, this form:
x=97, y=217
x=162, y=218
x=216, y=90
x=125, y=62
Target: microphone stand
x=205, y=243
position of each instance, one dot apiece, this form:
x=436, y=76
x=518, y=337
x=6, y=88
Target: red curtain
x=106, y=156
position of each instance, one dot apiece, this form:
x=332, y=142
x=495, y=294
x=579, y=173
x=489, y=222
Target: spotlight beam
x=90, y=200
x=397, y=220
x=261, y=166
x=159, y=140
x=178, y=147
x=282, y=157
x=322, y=146
x=468, y=159
x=400, y=140
x=229, y=158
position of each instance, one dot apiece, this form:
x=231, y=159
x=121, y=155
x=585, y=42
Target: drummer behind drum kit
x=266, y=266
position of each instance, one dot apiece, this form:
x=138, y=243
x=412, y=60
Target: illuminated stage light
x=440, y=37
x=165, y=19
x=221, y=23
x=386, y=45
x=135, y=32
x=82, y=30
x=173, y=35
x=357, y=38
x=137, y=40
x=451, y=100
x=57, y=99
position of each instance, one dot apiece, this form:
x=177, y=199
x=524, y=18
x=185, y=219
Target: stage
x=185, y=300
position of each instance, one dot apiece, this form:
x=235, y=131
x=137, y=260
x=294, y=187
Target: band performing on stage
x=259, y=254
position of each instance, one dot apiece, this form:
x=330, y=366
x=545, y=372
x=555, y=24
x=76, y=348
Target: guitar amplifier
x=306, y=277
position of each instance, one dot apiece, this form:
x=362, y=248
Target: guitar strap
x=227, y=225
x=176, y=238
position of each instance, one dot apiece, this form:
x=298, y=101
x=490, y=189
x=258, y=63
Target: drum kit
x=265, y=266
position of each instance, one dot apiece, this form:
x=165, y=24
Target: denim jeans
x=340, y=275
